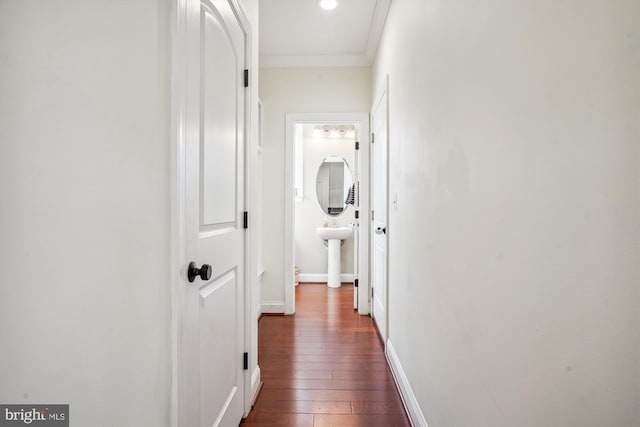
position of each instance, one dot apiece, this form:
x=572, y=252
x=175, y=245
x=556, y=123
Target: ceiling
x=298, y=33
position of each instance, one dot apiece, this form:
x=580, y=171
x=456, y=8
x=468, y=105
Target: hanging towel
x=351, y=196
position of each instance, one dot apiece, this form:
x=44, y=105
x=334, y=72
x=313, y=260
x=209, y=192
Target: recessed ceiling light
x=328, y=4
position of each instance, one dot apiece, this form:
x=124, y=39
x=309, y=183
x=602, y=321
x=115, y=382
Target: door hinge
x=373, y=137
x=372, y=216
x=357, y=145
x=357, y=214
x=245, y=361
x=355, y=283
x=372, y=292
x=246, y=219
x=246, y=78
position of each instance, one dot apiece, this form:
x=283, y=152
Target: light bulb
x=334, y=134
x=350, y=134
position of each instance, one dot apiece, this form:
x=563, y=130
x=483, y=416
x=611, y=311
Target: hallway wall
x=85, y=304
x=515, y=248
x=296, y=90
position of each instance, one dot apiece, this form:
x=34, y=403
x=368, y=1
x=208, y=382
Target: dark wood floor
x=325, y=366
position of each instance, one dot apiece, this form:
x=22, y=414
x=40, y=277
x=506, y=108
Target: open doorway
x=325, y=204
x=327, y=179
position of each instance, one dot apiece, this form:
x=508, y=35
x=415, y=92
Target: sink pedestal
x=333, y=276
x=334, y=237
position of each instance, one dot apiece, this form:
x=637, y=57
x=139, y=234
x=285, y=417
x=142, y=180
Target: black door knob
x=204, y=272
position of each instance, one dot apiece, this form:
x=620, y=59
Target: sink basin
x=340, y=233
x=334, y=236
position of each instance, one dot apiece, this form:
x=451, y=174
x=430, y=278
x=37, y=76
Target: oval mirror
x=333, y=185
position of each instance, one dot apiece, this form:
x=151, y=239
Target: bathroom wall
x=296, y=90
x=310, y=252
x=514, y=250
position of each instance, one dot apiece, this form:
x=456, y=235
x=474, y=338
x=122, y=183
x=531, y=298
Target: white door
x=379, y=214
x=213, y=326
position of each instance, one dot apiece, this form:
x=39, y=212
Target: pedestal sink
x=334, y=236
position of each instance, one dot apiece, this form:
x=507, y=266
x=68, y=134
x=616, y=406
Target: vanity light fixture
x=350, y=133
x=328, y=4
x=334, y=134
x=333, y=131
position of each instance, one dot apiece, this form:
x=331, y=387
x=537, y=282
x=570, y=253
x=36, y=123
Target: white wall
x=310, y=252
x=514, y=250
x=84, y=209
x=297, y=90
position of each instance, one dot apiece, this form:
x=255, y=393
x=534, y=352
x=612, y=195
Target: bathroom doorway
x=327, y=182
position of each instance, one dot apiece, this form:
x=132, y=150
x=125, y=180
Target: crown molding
x=377, y=26
x=306, y=61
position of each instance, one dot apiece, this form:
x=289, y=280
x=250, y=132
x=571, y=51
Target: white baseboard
x=410, y=402
x=323, y=277
x=273, y=307
x=255, y=383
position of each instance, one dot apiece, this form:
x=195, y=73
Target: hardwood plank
x=324, y=374
x=362, y=375
x=285, y=346
x=339, y=358
x=321, y=349
x=371, y=345
x=268, y=393
x=265, y=419
x=343, y=366
x=360, y=407
x=303, y=384
x=304, y=407
x=330, y=420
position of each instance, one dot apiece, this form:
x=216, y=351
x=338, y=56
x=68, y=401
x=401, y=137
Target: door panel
x=379, y=171
x=214, y=177
x=218, y=331
x=219, y=124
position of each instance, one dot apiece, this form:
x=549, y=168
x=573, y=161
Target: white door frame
x=362, y=121
x=382, y=95
x=178, y=259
